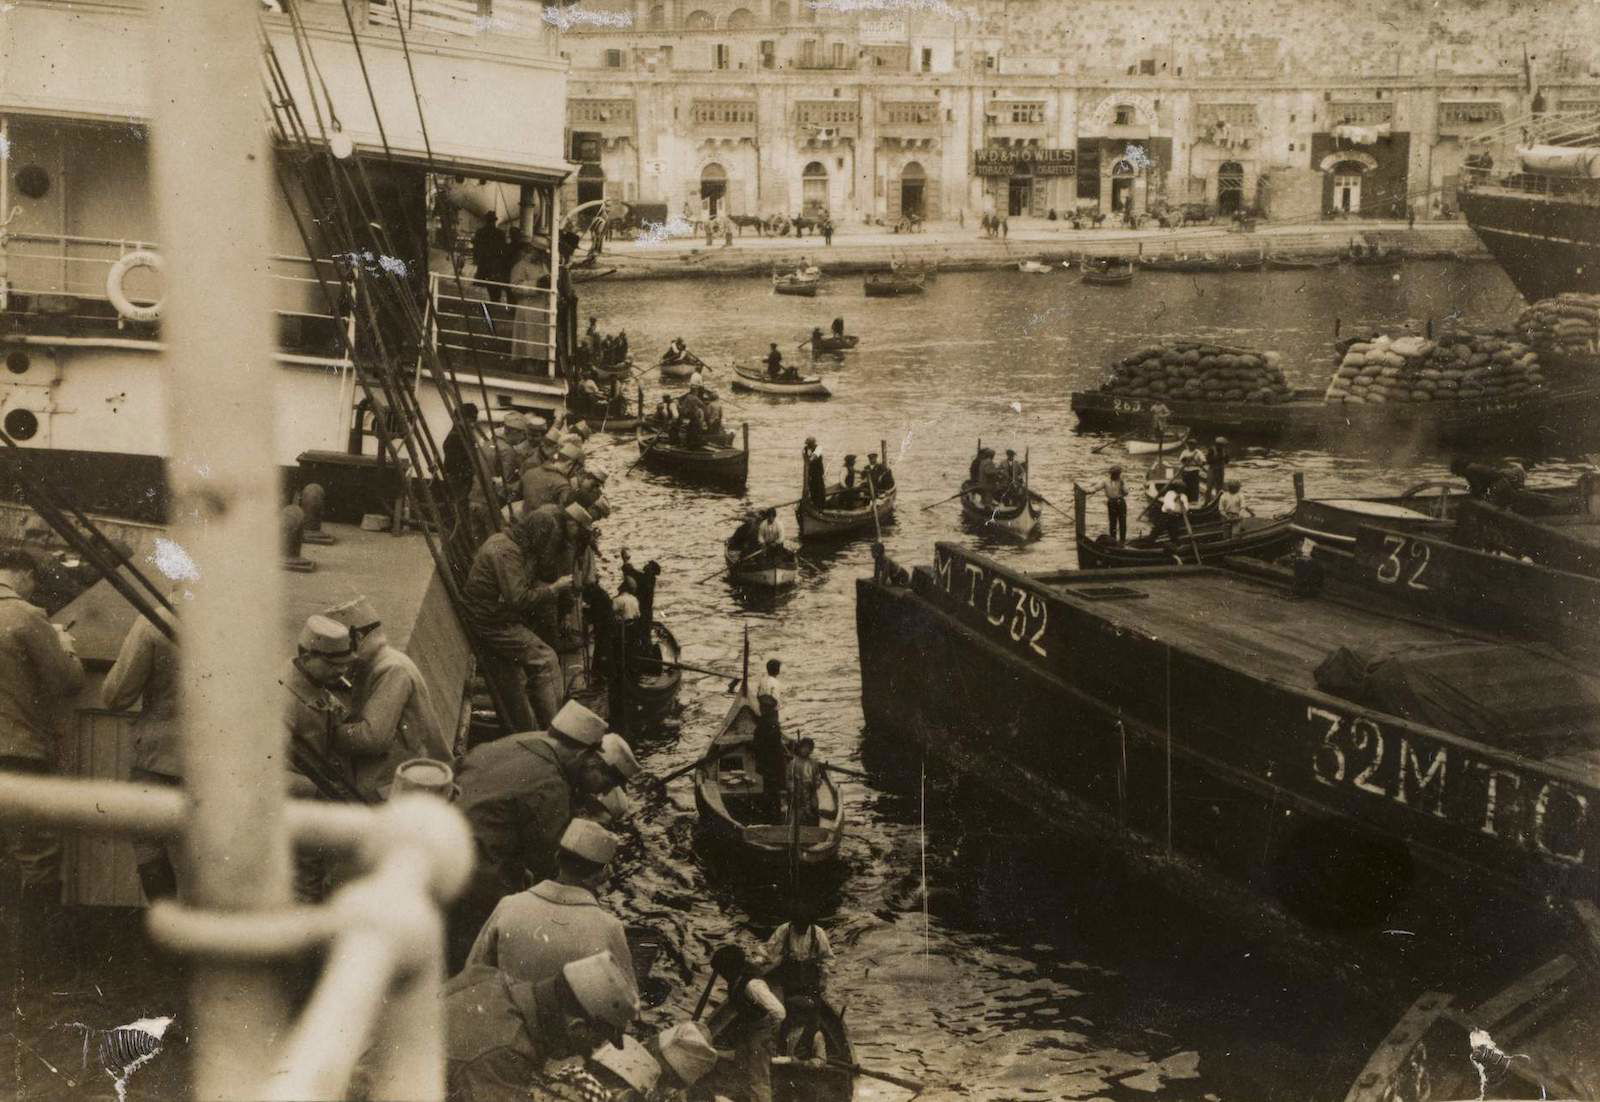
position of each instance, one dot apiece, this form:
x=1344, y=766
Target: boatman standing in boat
x=771, y=757
x=1116, y=491
x=838, y=327
x=799, y=953
x=876, y=476
x=816, y=487
x=1190, y=460
x=1217, y=458
x=1231, y=505
x=1174, y=510
x=532, y=935
x=774, y=362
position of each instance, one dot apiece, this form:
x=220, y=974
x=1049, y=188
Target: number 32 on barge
x=1185, y=708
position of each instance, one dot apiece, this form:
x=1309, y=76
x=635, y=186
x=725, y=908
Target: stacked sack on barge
x=1195, y=371
x=1568, y=323
x=1458, y=366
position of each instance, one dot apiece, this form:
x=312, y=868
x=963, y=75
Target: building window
x=780, y=13
x=657, y=19
x=927, y=59
x=699, y=20
x=1147, y=67
x=613, y=59
x=723, y=112
x=769, y=53
x=988, y=61
x=1027, y=113
x=1125, y=115
x=808, y=53
x=741, y=19
x=720, y=56
x=838, y=57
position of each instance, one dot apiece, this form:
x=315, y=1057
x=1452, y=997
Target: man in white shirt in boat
x=769, y=533
x=1116, y=491
x=1232, y=506
x=697, y=379
x=676, y=351
x=747, y=1022
x=771, y=757
x=799, y=953
x=1174, y=510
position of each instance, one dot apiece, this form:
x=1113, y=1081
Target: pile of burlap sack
x=1568, y=323
x=1196, y=371
x=1457, y=366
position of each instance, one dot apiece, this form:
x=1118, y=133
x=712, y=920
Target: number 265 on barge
x=1222, y=716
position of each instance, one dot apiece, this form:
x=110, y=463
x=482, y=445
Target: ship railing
x=63, y=277
x=1547, y=128
x=382, y=932
x=515, y=333
x=1579, y=189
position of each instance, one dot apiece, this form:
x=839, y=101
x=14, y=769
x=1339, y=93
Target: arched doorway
x=1230, y=187
x=1122, y=178
x=1347, y=187
x=713, y=188
x=741, y=19
x=591, y=183
x=814, y=189
x=913, y=191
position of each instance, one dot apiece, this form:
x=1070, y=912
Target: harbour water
x=972, y=953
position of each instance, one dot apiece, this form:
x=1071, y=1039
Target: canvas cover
x=1524, y=698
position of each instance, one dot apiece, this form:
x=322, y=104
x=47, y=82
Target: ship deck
x=1267, y=631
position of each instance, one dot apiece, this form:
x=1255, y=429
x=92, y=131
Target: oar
x=936, y=504
x=650, y=448
x=1194, y=543
x=1040, y=497
x=724, y=674
x=705, y=997
x=1102, y=447
x=691, y=767
x=856, y=773
x=857, y=1069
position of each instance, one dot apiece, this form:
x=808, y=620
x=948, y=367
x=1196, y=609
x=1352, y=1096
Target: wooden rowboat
x=1018, y=521
x=789, y=285
x=798, y=1080
x=734, y=807
x=836, y=344
x=1292, y=263
x=654, y=689
x=680, y=369
x=1108, y=271
x=1171, y=441
x=768, y=568
x=892, y=284
x=756, y=383
x=825, y=522
x=716, y=464
x=1256, y=538
x=1034, y=267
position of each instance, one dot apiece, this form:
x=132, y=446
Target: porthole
x=17, y=362
x=33, y=181
x=21, y=424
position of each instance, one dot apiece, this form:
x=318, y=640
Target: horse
x=755, y=221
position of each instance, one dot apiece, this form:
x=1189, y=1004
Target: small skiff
x=756, y=383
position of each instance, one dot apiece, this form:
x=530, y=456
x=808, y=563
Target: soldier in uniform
x=531, y=935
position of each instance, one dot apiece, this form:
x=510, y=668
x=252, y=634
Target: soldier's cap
x=589, y=840
x=581, y=515
x=632, y=1063
x=579, y=724
x=356, y=614
x=422, y=775
x=615, y=752
x=571, y=452
x=603, y=991
x=327, y=639
x=581, y=430
x=686, y=1048
x=514, y=422
x=872, y=455
x=598, y=474
x=536, y=426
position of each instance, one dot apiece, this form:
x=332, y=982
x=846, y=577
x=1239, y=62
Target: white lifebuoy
x=139, y=258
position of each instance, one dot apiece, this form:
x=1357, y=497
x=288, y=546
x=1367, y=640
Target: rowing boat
x=797, y=1080
x=1108, y=271
x=1018, y=520
x=789, y=285
x=842, y=343
x=1034, y=267
x=654, y=689
x=1150, y=445
x=680, y=369
x=617, y=415
x=892, y=284
x=718, y=464
x=772, y=567
x=1292, y=263
x=799, y=387
x=828, y=521
x=1256, y=538
x=736, y=811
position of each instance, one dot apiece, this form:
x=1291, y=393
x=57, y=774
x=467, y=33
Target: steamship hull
x=1546, y=245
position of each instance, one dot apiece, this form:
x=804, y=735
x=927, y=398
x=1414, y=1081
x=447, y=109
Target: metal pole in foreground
x=211, y=164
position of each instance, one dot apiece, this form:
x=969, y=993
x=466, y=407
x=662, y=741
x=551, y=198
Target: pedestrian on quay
x=146, y=673
x=727, y=233
x=747, y=1022
x=827, y=230
x=1116, y=491
x=500, y=1033
x=1005, y=226
x=392, y=717
x=518, y=794
x=533, y=934
x=39, y=672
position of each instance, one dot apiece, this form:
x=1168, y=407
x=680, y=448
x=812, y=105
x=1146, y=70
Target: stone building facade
x=1302, y=107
